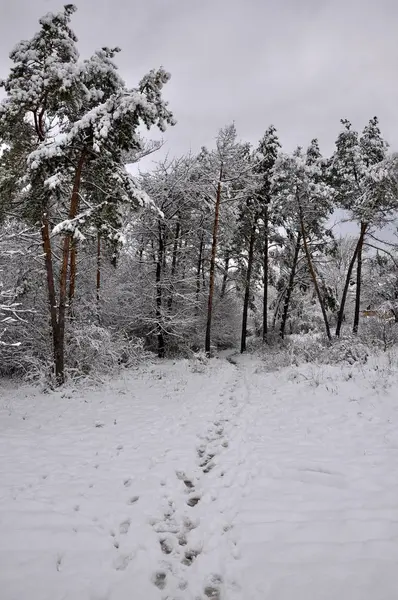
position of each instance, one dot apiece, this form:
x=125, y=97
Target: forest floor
x=184, y=481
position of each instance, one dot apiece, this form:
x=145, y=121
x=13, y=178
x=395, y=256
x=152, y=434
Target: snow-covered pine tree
x=228, y=169
x=80, y=124
x=303, y=194
x=247, y=232
x=360, y=170
x=267, y=153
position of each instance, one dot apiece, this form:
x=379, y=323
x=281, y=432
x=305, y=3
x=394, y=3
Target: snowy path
x=232, y=484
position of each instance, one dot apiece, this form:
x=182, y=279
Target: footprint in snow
x=166, y=546
x=133, y=500
x=159, y=579
x=189, y=524
x=212, y=589
x=122, y=562
x=189, y=557
x=193, y=501
x=124, y=526
x=201, y=451
x=206, y=464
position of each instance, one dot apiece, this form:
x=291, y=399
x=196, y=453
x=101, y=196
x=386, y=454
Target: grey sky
x=300, y=64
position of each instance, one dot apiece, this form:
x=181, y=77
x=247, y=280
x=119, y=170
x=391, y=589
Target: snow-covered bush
x=198, y=362
x=347, y=350
x=381, y=332
x=227, y=321
x=96, y=351
x=316, y=348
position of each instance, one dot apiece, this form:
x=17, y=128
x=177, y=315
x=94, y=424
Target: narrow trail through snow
x=230, y=484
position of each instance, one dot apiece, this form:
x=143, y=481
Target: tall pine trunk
x=52, y=299
x=247, y=285
x=57, y=311
x=198, y=269
x=72, y=278
x=73, y=208
x=225, y=274
x=183, y=260
x=276, y=309
x=265, y=270
x=359, y=278
x=159, y=264
x=174, y=263
x=312, y=273
x=340, y=316
x=98, y=278
x=290, y=286
x=213, y=266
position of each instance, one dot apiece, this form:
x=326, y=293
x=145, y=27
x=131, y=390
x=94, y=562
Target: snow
x=189, y=481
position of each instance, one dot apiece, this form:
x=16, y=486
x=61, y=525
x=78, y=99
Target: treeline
x=97, y=266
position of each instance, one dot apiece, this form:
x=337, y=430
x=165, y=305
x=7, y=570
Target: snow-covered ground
x=230, y=484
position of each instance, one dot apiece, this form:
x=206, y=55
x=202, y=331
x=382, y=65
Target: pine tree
x=267, y=153
x=82, y=125
x=303, y=194
x=227, y=167
x=360, y=170
x=248, y=230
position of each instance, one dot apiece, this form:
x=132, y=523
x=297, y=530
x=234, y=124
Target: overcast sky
x=300, y=64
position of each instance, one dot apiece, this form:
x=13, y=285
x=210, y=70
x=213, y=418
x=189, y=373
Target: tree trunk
x=359, y=278
x=198, y=269
x=225, y=275
x=247, y=285
x=174, y=263
x=98, y=278
x=290, y=286
x=313, y=274
x=213, y=266
x=159, y=263
x=276, y=310
x=184, y=260
x=141, y=252
x=265, y=270
x=74, y=204
x=52, y=300
x=72, y=278
x=340, y=317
